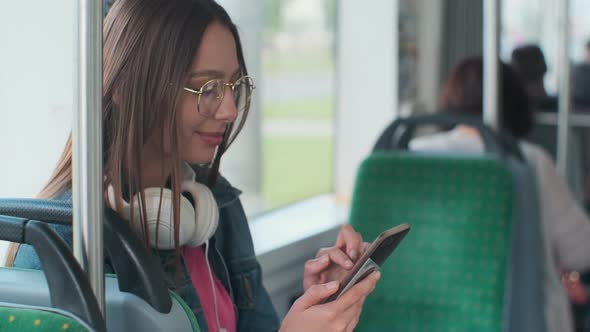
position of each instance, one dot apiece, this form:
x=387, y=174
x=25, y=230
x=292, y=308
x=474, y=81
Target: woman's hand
x=331, y=263
x=340, y=315
x=574, y=287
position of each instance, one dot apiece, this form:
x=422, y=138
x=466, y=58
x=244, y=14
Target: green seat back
x=449, y=272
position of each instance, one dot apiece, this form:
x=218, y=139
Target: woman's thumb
x=314, y=295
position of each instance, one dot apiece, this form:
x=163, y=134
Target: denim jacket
x=233, y=261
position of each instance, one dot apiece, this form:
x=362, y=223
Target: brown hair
x=148, y=48
x=463, y=93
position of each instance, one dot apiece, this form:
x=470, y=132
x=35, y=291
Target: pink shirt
x=196, y=265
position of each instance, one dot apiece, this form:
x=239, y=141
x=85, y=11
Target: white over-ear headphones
x=197, y=224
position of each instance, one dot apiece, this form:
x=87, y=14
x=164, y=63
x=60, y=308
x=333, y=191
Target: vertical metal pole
x=491, y=46
x=563, y=119
x=87, y=149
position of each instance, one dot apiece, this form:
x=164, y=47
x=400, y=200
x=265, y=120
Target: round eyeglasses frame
x=242, y=80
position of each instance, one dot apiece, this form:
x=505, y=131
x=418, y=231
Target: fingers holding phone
x=333, y=263
x=350, y=305
x=372, y=258
x=330, y=264
x=307, y=314
x=356, y=293
x=350, y=241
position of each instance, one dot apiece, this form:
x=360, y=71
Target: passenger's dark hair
x=463, y=93
x=529, y=62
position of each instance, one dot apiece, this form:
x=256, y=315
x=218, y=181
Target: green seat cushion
x=25, y=319
x=449, y=272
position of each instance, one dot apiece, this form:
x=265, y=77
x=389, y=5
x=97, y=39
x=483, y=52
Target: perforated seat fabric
x=449, y=274
x=30, y=319
x=23, y=288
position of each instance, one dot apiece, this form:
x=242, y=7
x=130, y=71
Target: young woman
x=565, y=226
x=175, y=94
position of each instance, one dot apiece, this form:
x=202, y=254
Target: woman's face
x=216, y=59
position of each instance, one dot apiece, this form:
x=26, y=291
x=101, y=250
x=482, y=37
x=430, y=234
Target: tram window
x=298, y=107
x=292, y=56
x=36, y=92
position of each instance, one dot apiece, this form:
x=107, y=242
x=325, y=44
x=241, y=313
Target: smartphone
x=372, y=258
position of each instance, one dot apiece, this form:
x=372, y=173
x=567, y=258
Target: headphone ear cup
x=197, y=224
x=161, y=234
x=207, y=212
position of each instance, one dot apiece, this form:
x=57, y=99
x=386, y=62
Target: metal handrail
x=491, y=37
x=580, y=120
x=563, y=68
x=87, y=191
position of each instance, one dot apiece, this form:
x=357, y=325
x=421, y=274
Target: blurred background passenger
x=565, y=225
x=529, y=62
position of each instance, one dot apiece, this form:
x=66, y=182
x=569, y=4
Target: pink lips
x=211, y=138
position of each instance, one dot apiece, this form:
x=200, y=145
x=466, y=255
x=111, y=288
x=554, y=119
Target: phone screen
x=372, y=258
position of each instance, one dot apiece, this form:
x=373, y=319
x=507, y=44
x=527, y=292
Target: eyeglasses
x=210, y=95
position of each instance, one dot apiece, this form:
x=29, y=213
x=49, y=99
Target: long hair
x=148, y=48
x=463, y=93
